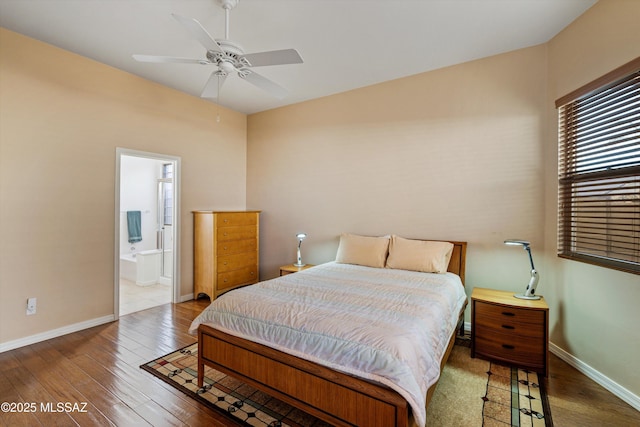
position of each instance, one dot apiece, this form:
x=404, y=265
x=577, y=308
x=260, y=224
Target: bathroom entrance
x=146, y=230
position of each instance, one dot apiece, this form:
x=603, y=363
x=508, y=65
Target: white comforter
x=390, y=326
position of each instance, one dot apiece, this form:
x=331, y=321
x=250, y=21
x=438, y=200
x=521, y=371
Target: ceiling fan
x=229, y=57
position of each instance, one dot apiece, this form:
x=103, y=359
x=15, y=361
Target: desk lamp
x=300, y=237
x=533, y=282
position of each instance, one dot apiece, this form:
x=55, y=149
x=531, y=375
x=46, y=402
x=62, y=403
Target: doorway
x=146, y=231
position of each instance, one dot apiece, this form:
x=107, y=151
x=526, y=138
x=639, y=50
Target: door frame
x=175, y=279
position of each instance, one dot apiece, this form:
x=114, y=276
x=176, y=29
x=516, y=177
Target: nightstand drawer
x=523, y=330
x=528, y=352
x=509, y=321
x=513, y=315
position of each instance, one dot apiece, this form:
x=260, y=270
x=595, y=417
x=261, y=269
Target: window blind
x=599, y=174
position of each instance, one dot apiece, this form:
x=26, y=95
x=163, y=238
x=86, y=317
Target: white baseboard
x=54, y=333
x=467, y=327
x=146, y=283
x=166, y=281
x=187, y=297
x=597, y=376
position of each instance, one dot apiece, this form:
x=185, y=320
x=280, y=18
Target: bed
x=285, y=336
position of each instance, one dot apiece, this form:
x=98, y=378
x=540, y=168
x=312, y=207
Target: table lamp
x=533, y=282
x=300, y=237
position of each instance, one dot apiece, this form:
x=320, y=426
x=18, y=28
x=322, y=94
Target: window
x=167, y=193
x=599, y=171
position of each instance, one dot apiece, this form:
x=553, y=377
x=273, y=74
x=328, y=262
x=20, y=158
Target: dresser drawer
x=513, y=315
x=231, y=247
x=244, y=276
x=529, y=352
x=232, y=219
x=514, y=321
x=236, y=262
x=236, y=233
x=508, y=326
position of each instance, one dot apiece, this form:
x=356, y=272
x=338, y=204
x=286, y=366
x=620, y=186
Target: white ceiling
x=345, y=44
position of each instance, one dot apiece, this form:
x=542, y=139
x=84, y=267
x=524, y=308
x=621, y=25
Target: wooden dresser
x=510, y=330
x=225, y=251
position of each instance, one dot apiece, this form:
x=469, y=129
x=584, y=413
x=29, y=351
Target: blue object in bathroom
x=134, y=225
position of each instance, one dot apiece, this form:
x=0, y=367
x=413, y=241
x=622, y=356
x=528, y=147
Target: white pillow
x=419, y=255
x=363, y=250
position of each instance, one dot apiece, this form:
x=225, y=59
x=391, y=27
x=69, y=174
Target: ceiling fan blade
x=198, y=32
x=263, y=83
x=212, y=88
x=169, y=59
x=274, y=57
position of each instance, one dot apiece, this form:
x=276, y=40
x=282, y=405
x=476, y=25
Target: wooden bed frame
x=332, y=396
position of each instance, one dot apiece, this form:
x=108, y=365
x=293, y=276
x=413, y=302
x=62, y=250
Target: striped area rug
x=471, y=392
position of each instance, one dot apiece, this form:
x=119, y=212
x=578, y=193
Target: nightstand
x=510, y=330
x=288, y=269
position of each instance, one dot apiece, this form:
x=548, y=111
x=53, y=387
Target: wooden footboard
x=334, y=397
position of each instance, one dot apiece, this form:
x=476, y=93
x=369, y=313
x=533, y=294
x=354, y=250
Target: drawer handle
x=508, y=313
x=225, y=263
x=508, y=346
x=226, y=220
x=225, y=280
x=224, y=234
x=252, y=273
x=508, y=327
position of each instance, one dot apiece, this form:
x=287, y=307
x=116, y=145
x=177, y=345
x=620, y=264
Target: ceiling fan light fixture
x=226, y=66
x=229, y=57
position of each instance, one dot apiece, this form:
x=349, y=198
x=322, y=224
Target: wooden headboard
x=458, y=259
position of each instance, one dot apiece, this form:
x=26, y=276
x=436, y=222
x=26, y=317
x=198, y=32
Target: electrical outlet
x=31, y=306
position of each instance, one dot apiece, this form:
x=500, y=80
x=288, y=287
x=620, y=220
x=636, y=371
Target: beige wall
x=450, y=154
x=62, y=117
x=467, y=152
x=594, y=314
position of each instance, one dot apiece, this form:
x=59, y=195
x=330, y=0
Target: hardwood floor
x=576, y=400
x=99, y=367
